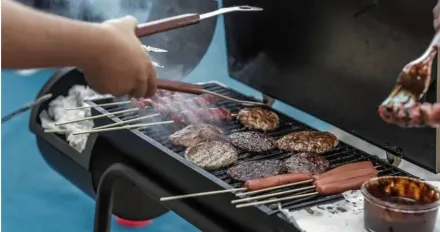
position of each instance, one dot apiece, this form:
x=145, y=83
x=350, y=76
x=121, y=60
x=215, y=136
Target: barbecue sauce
x=397, y=204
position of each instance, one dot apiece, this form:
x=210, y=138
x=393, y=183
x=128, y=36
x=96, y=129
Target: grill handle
x=166, y=24
x=178, y=86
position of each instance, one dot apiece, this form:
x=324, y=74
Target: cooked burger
x=258, y=118
x=195, y=134
x=252, y=141
x=307, y=163
x=308, y=141
x=212, y=155
x=252, y=170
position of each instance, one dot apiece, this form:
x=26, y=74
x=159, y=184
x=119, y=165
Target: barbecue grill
x=141, y=165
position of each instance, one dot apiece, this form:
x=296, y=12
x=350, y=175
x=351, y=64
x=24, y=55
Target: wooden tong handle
x=166, y=24
x=178, y=86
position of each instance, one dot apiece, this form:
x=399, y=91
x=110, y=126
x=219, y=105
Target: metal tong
x=403, y=106
x=184, y=20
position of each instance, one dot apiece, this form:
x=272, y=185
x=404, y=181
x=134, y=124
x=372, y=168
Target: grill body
x=163, y=166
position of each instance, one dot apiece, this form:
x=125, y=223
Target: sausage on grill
x=344, y=175
x=308, y=141
x=344, y=168
x=195, y=134
x=277, y=180
x=343, y=186
x=307, y=163
x=258, y=118
x=212, y=155
x=252, y=141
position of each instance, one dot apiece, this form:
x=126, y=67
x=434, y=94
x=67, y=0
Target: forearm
x=33, y=39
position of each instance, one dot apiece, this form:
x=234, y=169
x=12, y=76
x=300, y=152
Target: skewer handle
x=178, y=86
x=166, y=24
x=201, y=194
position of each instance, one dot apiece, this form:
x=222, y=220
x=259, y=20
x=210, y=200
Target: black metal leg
x=202, y=218
x=104, y=199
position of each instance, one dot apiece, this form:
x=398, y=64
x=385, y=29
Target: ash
x=57, y=113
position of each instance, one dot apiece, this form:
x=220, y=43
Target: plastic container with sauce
x=399, y=204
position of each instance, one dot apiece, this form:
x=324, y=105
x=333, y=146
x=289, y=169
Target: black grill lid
x=336, y=60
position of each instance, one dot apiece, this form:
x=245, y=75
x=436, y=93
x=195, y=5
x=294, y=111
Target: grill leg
x=104, y=199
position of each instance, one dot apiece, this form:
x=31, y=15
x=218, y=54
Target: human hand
x=436, y=13
x=120, y=66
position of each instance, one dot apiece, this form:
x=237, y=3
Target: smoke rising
x=95, y=10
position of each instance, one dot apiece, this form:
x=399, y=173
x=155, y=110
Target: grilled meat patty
x=252, y=141
x=258, y=118
x=195, y=134
x=212, y=155
x=308, y=141
x=307, y=163
x=252, y=170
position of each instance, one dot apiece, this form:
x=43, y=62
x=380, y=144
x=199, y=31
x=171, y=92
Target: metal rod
x=136, y=126
x=248, y=103
x=98, y=116
x=104, y=104
x=26, y=107
x=201, y=194
x=276, y=187
x=271, y=195
x=127, y=121
x=276, y=200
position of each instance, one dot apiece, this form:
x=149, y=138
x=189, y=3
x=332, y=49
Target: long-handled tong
x=184, y=20
x=402, y=107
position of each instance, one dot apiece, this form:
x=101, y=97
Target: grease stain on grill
x=340, y=155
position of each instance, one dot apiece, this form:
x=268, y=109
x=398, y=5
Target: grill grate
x=342, y=154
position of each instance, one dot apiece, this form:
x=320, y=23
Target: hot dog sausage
x=344, y=168
x=276, y=181
x=345, y=175
x=342, y=186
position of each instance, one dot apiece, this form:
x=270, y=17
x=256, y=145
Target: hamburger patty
x=308, y=141
x=252, y=141
x=307, y=163
x=212, y=155
x=195, y=134
x=258, y=118
x=252, y=170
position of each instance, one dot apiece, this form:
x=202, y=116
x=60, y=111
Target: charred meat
x=307, y=163
x=256, y=169
x=212, y=155
x=308, y=141
x=195, y=134
x=252, y=141
x=258, y=118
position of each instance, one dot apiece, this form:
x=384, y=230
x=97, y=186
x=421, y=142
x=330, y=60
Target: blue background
x=36, y=198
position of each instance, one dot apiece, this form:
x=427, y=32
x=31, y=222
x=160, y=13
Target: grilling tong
x=403, y=106
x=184, y=20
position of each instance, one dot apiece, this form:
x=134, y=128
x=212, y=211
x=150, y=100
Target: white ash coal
x=57, y=113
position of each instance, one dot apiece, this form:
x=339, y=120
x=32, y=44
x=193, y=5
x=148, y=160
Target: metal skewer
x=272, y=194
x=98, y=116
x=275, y=187
x=101, y=105
x=135, y=126
x=127, y=121
x=201, y=194
x=277, y=200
